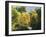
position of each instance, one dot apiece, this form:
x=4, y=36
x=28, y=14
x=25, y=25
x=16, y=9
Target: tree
x=37, y=25
x=21, y=9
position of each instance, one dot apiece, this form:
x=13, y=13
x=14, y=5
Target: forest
x=25, y=18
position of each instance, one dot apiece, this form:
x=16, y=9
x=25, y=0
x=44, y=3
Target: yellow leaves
x=34, y=13
x=23, y=18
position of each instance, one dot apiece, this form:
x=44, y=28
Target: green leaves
x=21, y=9
x=20, y=18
